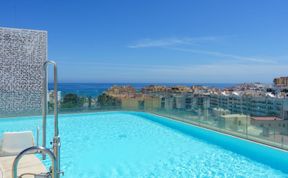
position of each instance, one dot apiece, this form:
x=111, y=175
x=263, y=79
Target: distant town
x=265, y=104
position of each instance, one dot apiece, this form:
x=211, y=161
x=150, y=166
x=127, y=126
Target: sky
x=183, y=41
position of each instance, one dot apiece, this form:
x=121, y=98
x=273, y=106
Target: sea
x=95, y=89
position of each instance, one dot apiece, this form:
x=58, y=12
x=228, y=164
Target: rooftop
x=266, y=118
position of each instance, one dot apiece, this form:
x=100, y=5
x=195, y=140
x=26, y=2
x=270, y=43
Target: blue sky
x=159, y=40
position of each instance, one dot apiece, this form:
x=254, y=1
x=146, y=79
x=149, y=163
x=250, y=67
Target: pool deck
x=28, y=164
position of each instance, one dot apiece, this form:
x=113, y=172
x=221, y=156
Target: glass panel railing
x=251, y=119
x=231, y=119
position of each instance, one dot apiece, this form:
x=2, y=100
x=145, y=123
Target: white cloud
x=225, y=55
x=148, y=43
x=185, y=45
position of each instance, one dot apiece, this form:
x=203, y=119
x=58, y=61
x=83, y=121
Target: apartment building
x=251, y=105
x=281, y=82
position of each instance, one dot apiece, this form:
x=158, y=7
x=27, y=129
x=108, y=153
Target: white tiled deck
x=28, y=164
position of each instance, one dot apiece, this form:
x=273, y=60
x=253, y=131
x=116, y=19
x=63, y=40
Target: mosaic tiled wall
x=22, y=54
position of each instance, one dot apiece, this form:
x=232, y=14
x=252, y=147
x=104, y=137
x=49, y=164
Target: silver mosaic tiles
x=22, y=54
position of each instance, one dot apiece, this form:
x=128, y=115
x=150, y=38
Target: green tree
x=105, y=100
x=72, y=101
x=50, y=106
x=89, y=101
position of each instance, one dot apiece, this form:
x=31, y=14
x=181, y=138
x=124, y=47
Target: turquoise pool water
x=130, y=144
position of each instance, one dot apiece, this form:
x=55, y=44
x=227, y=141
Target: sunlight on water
x=120, y=144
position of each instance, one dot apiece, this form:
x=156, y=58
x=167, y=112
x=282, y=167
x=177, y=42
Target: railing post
x=38, y=133
x=44, y=107
x=246, y=126
x=39, y=150
x=56, y=138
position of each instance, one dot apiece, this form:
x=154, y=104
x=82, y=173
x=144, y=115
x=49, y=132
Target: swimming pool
x=135, y=144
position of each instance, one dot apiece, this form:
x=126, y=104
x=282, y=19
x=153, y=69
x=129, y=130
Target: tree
x=285, y=90
x=105, y=100
x=72, y=101
x=89, y=101
x=271, y=90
